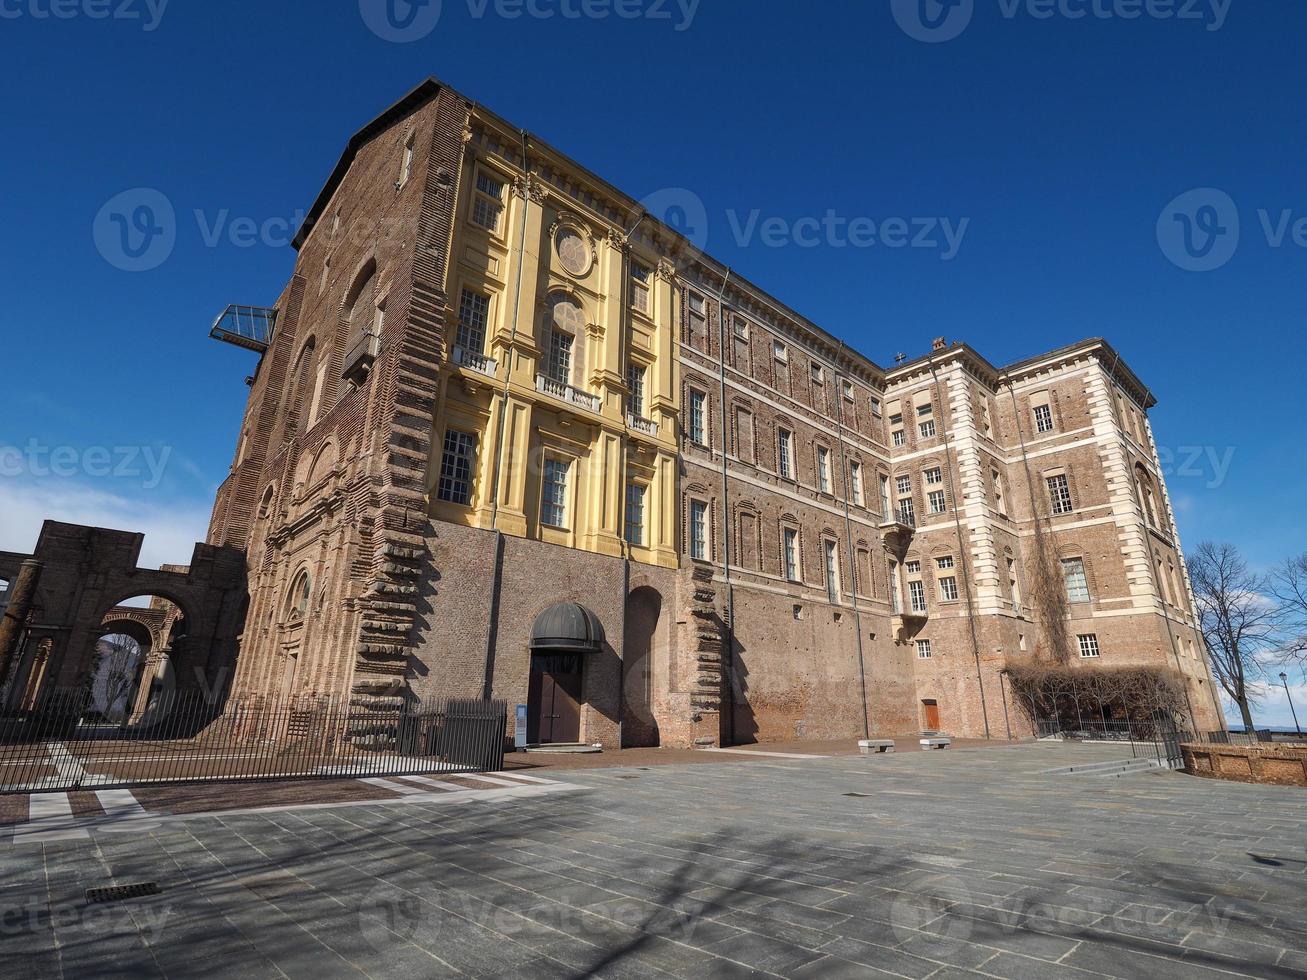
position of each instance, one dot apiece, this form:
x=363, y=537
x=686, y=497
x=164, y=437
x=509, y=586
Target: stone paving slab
x=962, y=863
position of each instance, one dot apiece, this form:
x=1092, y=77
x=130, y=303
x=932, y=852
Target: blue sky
x=1053, y=147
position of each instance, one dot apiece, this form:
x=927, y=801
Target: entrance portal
x=554, y=698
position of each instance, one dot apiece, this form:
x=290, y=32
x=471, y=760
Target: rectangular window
x=895, y=588
x=785, y=460
x=917, y=592
x=923, y=649
x=898, y=438
x=948, y=588
x=791, y=537
x=1043, y=418
x=934, y=475
x=640, y=277
x=1077, y=585
x=698, y=325
x=698, y=530
x=855, y=484
x=457, y=464
x=560, y=357
x=553, y=509
x=925, y=409
x=903, y=484
x=698, y=418
x=999, y=503
x=473, y=312
x=846, y=388
x=779, y=352
x=1088, y=644
x=913, y=567
x=1013, y=583
x=875, y=407
x=635, y=390
x=823, y=469
x=927, y=428
x=1059, y=494
x=907, y=511
x=740, y=327
x=832, y=571
x=635, y=514
x=944, y=563
x=406, y=170
x=815, y=371
x=936, y=501
x=487, y=202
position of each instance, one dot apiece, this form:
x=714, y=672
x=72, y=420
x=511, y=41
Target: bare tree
x=1289, y=586
x=1238, y=618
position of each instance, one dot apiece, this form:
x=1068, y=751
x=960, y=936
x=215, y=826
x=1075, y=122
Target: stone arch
x=360, y=302
x=302, y=383
x=323, y=464
x=644, y=638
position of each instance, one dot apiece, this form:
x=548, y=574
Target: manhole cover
x=120, y=893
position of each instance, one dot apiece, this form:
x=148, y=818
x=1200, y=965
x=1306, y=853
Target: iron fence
x=63, y=744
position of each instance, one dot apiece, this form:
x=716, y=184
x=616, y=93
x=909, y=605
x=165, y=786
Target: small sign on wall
x=519, y=728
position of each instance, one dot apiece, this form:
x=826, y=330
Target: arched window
x=1147, y=500
x=565, y=340
x=363, y=330
x=300, y=402
x=297, y=600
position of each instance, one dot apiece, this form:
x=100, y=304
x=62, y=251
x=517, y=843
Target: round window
x=573, y=251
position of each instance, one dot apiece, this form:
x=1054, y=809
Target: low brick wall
x=1282, y=765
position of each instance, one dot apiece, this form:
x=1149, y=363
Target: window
x=635, y=390
x=698, y=320
x=913, y=567
x=698, y=418
x=884, y=495
x=698, y=530
x=560, y=356
x=816, y=373
x=927, y=428
x=1088, y=644
x=1059, y=494
x=740, y=327
x=923, y=649
x=907, y=511
x=457, y=463
x=779, y=352
x=473, y=312
x=944, y=563
x=406, y=170
x=785, y=460
x=487, y=202
x=855, y=484
x=1073, y=574
x=903, y=484
x=846, y=389
x=635, y=513
x=791, y=537
x=823, y=469
x=917, y=592
x=640, y=276
x=948, y=588
x=897, y=437
x=936, y=502
x=895, y=588
x=1013, y=583
x=832, y=571
x=1043, y=418
x=553, y=510
x=934, y=475
x=297, y=601
x=999, y=504
x=875, y=407
x=925, y=409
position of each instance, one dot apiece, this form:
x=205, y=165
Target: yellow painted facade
x=557, y=322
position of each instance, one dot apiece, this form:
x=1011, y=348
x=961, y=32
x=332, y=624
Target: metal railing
x=183, y=737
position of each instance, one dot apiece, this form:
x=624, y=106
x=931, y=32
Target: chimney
x=939, y=344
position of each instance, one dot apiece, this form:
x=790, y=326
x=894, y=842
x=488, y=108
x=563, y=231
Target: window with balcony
x=559, y=363
x=1073, y=575
x=457, y=464
x=553, y=507
x=917, y=595
x=473, y=313
x=635, y=390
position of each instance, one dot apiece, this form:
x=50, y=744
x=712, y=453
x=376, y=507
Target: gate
x=62, y=744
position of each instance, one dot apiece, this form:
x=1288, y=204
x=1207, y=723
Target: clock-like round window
x=573, y=251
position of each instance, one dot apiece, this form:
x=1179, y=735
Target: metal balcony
x=475, y=361
x=249, y=327
x=898, y=528
x=567, y=393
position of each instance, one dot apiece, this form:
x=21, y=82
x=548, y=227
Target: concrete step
x=1110, y=768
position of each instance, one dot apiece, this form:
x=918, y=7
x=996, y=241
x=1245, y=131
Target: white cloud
x=171, y=527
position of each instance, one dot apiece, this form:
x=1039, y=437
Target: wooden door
x=554, y=699
x=930, y=708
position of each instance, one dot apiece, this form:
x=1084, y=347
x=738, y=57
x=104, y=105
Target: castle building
x=512, y=436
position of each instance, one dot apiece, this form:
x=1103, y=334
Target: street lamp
x=1284, y=679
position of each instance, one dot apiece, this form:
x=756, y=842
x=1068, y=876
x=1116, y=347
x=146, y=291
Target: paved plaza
x=953, y=863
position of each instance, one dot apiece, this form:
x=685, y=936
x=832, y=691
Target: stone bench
x=870, y=746
x=935, y=743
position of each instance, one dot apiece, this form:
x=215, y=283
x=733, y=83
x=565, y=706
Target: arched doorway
x=643, y=612
x=562, y=639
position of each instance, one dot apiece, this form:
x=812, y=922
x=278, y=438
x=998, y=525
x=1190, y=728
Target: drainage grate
x=120, y=893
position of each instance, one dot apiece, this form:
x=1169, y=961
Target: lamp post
x=1284, y=679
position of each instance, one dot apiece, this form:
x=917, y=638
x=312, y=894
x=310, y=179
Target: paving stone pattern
x=942, y=864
